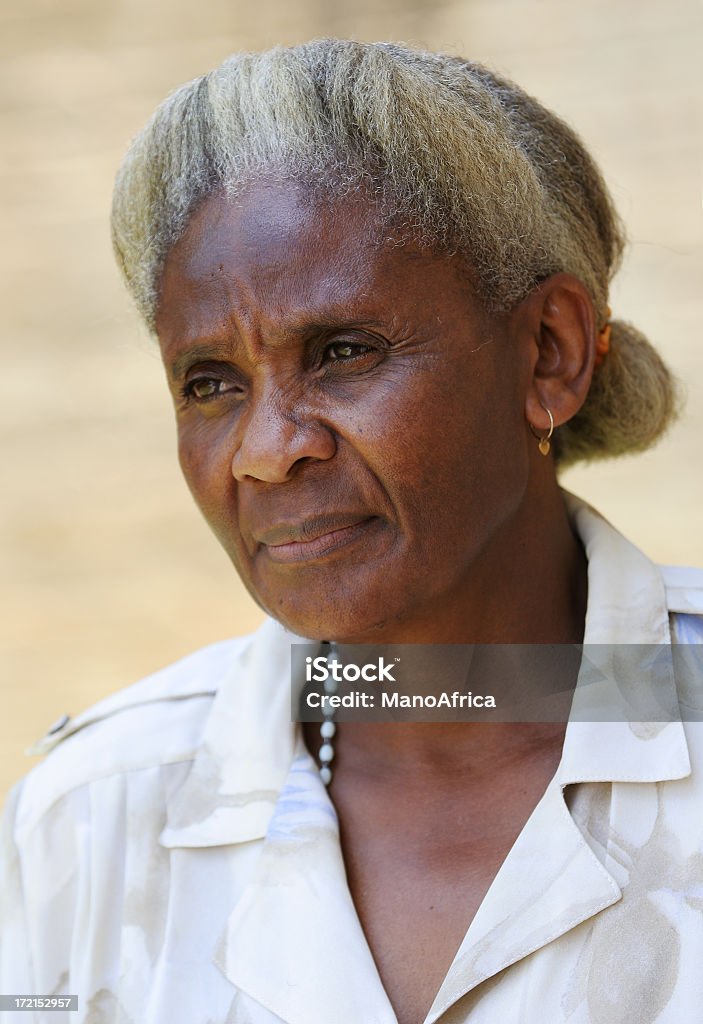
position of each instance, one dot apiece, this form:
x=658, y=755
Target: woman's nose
x=275, y=437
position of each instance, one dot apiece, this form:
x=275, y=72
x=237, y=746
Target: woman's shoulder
x=155, y=722
x=199, y=673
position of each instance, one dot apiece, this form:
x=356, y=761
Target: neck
x=405, y=754
x=532, y=585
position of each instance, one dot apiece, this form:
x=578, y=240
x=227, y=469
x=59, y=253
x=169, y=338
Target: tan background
x=109, y=573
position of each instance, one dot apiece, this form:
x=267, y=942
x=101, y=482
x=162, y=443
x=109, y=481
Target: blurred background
x=108, y=571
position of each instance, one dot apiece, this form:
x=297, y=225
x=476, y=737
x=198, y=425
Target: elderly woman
x=379, y=281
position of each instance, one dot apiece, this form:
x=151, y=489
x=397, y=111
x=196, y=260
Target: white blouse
x=176, y=858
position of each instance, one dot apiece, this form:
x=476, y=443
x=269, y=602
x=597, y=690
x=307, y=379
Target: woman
x=379, y=282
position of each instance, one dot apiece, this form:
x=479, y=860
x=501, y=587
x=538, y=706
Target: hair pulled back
x=464, y=160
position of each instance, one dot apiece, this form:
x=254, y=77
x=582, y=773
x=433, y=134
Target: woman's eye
x=339, y=351
x=203, y=389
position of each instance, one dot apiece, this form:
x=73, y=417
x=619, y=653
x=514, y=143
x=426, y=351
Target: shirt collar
x=627, y=623
x=249, y=740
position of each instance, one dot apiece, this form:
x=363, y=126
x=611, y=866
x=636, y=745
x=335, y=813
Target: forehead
x=275, y=255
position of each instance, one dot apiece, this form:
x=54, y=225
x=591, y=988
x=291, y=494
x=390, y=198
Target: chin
x=344, y=626
x=326, y=613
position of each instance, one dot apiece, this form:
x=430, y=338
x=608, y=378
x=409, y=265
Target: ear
x=559, y=331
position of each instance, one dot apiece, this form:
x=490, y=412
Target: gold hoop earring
x=544, y=444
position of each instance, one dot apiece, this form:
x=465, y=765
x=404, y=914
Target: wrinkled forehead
x=278, y=247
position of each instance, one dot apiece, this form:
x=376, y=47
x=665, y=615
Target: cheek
x=206, y=465
x=453, y=460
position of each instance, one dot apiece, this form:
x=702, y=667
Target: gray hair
x=464, y=160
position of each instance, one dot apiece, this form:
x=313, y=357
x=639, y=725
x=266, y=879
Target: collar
x=627, y=636
x=249, y=741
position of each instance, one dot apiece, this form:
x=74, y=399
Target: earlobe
x=563, y=337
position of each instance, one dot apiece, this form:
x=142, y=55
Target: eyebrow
x=202, y=352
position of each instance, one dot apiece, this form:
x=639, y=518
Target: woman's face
x=350, y=421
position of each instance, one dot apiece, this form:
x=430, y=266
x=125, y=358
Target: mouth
x=314, y=538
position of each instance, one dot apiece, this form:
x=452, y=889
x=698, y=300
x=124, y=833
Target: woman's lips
x=320, y=545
